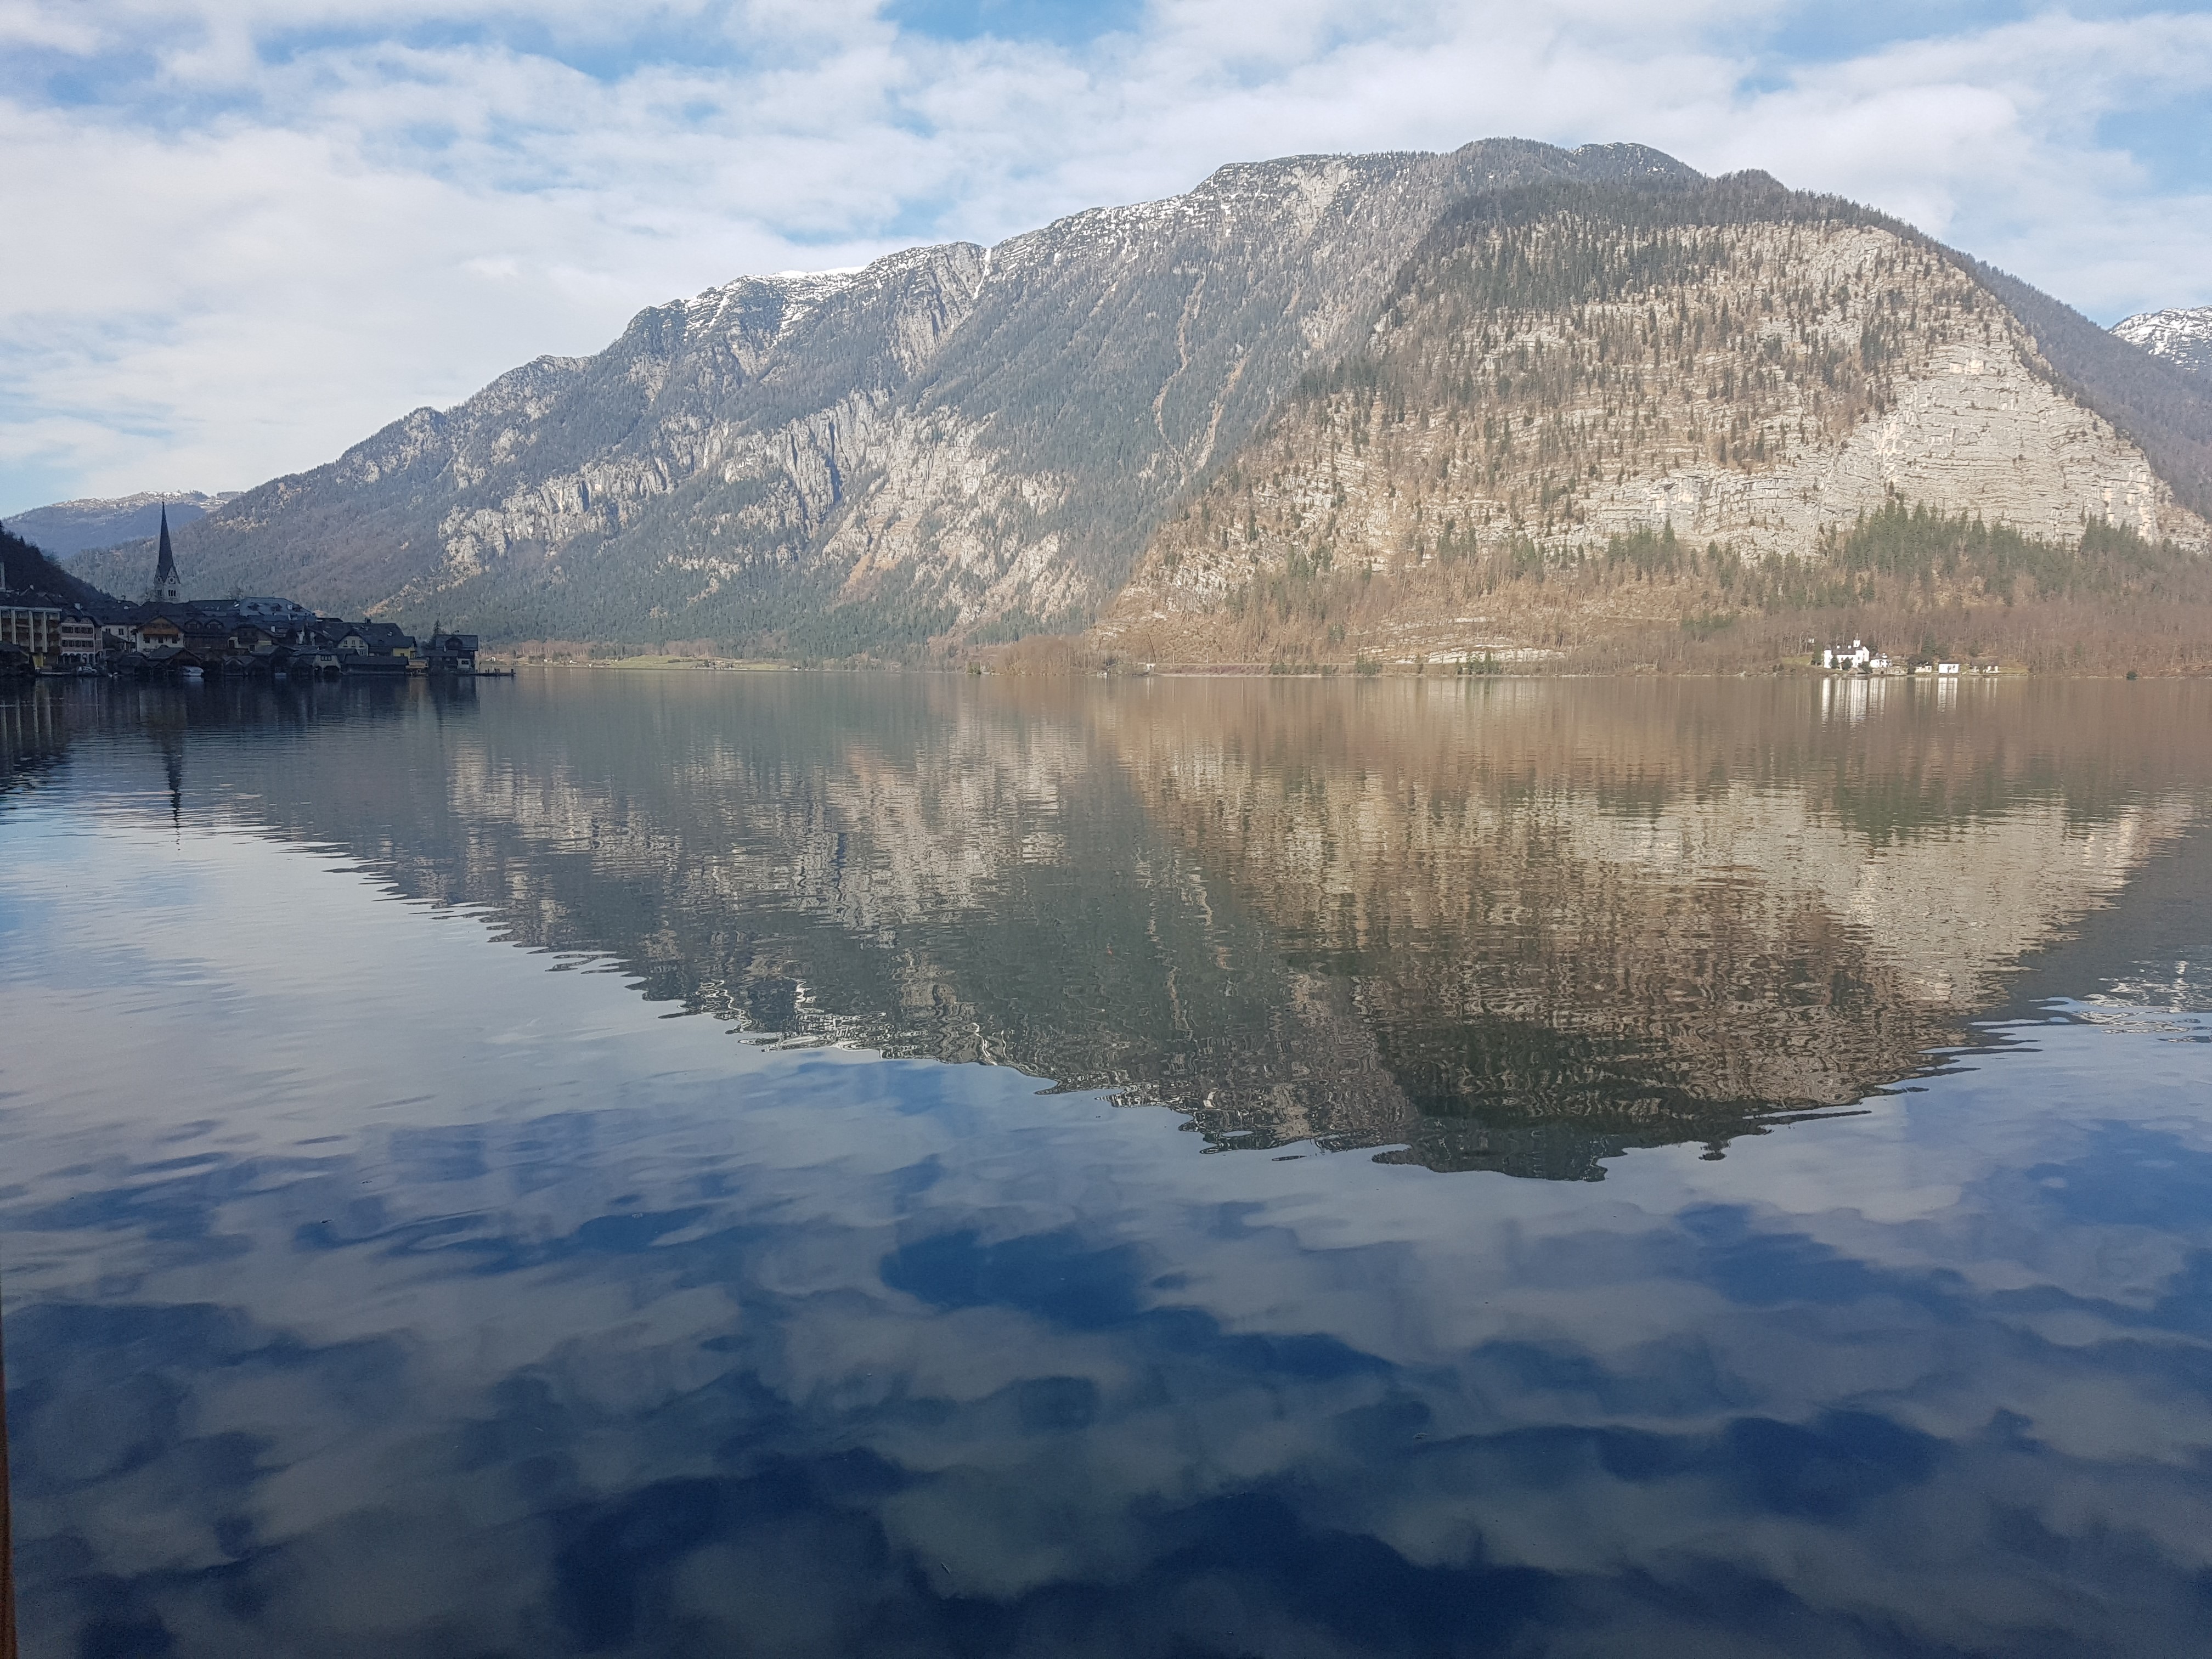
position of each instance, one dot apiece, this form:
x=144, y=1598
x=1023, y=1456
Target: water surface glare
x=781, y=1164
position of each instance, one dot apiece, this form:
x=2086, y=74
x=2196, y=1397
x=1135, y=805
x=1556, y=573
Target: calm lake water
x=779, y=1164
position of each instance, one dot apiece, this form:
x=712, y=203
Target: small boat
x=193, y=675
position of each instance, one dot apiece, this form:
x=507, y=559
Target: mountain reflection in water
x=1510, y=926
x=373, y=1290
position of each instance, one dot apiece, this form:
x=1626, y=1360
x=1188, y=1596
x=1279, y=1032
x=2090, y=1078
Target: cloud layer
x=255, y=232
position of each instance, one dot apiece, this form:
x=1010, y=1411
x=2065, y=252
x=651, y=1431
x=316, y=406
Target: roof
x=263, y=609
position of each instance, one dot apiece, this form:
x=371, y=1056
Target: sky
x=245, y=234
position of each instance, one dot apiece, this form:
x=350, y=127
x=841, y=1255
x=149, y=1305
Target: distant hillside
x=70, y=527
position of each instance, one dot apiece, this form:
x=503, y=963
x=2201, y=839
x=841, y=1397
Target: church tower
x=166, y=585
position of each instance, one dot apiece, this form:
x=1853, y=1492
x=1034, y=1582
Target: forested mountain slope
x=1588, y=408
x=27, y=575
x=953, y=438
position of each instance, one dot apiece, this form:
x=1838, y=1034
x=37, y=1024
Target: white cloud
x=267, y=229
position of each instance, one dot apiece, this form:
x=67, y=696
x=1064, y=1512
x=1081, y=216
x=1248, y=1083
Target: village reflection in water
x=377, y=1287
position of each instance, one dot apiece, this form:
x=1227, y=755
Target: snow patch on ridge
x=2181, y=337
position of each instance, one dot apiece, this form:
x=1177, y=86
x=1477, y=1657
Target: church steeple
x=166, y=585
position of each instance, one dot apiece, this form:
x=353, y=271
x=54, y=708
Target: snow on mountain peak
x=787, y=296
x=2183, y=337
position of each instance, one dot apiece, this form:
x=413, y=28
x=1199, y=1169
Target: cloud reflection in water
x=415, y=1300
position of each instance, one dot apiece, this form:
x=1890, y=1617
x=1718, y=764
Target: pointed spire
x=165, y=567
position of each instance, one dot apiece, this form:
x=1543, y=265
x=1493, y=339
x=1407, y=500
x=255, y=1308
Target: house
x=371, y=647
x=450, y=654
x=118, y=623
x=251, y=639
x=178, y=636
x=271, y=613
x=33, y=625
x=1858, y=657
x=80, y=642
x=205, y=638
x=156, y=628
x=389, y=639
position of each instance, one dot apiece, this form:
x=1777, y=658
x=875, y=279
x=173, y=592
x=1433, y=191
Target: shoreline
x=2008, y=672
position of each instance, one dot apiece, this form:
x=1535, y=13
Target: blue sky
x=258, y=229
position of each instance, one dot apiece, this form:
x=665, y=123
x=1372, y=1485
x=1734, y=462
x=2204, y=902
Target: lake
x=774, y=1163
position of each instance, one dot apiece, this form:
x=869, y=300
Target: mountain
x=1368, y=363
x=2179, y=337
x=1585, y=412
x=951, y=438
x=69, y=528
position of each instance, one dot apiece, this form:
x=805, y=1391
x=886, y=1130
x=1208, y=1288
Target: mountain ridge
x=763, y=498
x=66, y=528
x=956, y=443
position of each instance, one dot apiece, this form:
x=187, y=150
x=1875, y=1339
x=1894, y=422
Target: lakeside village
x=1860, y=658
x=167, y=636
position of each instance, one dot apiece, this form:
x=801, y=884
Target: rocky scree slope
x=951, y=440
x=1565, y=368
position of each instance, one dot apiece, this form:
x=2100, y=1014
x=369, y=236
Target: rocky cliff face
x=1362, y=362
x=1733, y=365
x=724, y=416
x=2179, y=337
x=952, y=439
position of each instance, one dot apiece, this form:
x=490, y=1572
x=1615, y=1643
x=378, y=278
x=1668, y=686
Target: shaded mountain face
x=28, y=573
x=2183, y=337
x=1561, y=369
x=953, y=439
x=68, y=527
x=1520, y=926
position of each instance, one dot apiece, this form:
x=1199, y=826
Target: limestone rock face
x=729, y=415
x=1754, y=372
x=962, y=443
x=951, y=437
